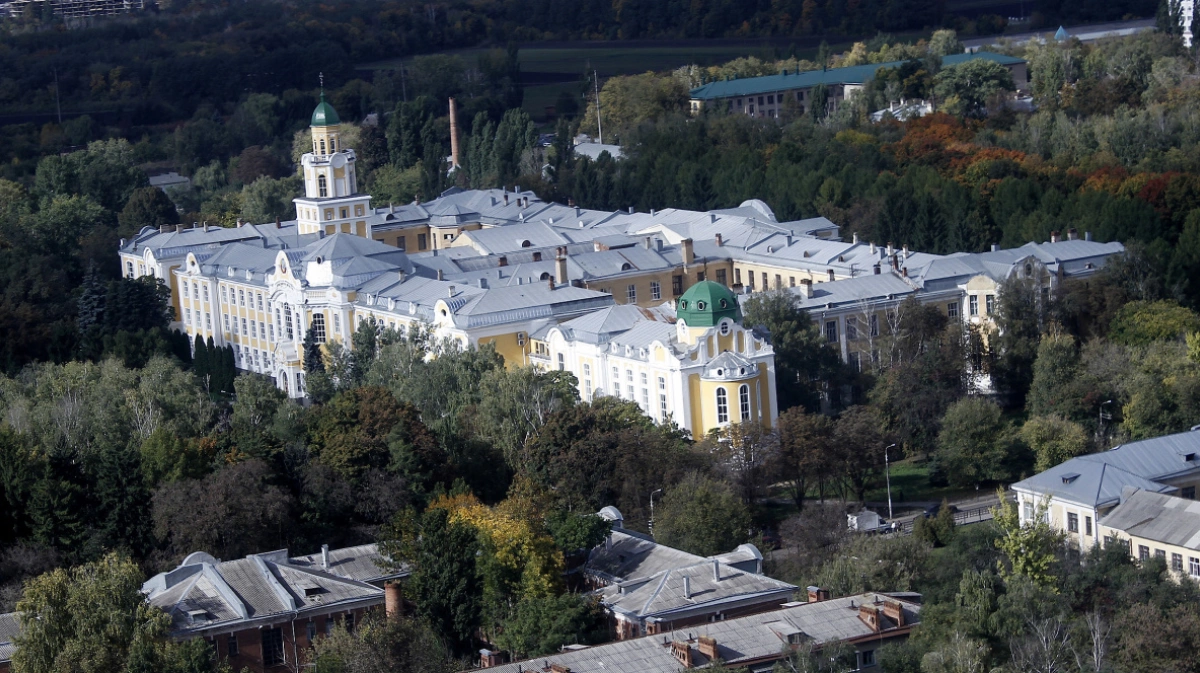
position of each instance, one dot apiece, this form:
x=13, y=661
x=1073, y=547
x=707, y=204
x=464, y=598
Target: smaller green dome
x=707, y=303
x=324, y=115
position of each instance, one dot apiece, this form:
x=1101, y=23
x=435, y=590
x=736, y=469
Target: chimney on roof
x=393, y=600
x=877, y=269
x=550, y=282
x=995, y=247
x=720, y=239
x=278, y=223
x=453, y=134
x=716, y=570
x=806, y=286
x=890, y=250
x=1054, y=237
x=894, y=611
x=506, y=197
x=483, y=283
x=440, y=275
x=1072, y=234
x=570, y=202
x=1087, y=235
x=712, y=217
x=831, y=276
x=895, y=263
x=817, y=594
x=707, y=645
x=687, y=587
x=164, y=228
x=789, y=240
x=647, y=243
x=630, y=210
x=324, y=557
x=906, y=253
x=689, y=254
x=503, y=261
x=560, y=266
x=450, y=291
x=854, y=240
x=873, y=248
x=904, y=272
x=651, y=212
x=869, y=614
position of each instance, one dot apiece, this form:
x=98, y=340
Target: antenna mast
x=599, y=128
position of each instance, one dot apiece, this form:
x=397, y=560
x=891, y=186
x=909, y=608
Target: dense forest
x=124, y=448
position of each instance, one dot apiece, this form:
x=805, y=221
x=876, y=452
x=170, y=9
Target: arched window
x=318, y=327
x=744, y=398
x=321, y=186
x=722, y=406
x=322, y=146
x=287, y=316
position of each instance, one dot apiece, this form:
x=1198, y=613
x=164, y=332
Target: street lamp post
x=652, y=494
x=887, y=471
x=1104, y=416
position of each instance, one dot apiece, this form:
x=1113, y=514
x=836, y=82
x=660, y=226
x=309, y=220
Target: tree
x=1030, y=549
x=1020, y=319
x=1139, y=323
x=147, y=207
x=268, y=199
x=805, y=451
x=858, y=442
x=976, y=444
x=445, y=584
x=1054, y=440
x=1054, y=389
x=516, y=402
x=230, y=513
x=702, y=516
x=542, y=625
x=945, y=43
x=121, y=495
x=964, y=89
x=804, y=362
x=392, y=645
x=746, y=452
x=94, y=618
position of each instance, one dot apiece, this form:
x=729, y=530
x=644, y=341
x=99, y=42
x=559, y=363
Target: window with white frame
x=587, y=381
x=337, y=323
x=260, y=301
x=318, y=327
x=722, y=406
x=241, y=297
x=744, y=400
x=662, y=396
x=655, y=290
x=631, y=293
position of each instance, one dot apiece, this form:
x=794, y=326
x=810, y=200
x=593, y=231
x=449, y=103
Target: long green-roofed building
x=769, y=95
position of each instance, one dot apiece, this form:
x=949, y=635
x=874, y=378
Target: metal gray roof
x=356, y=563
x=759, y=637
x=667, y=591
x=1158, y=517
x=631, y=556
x=10, y=626
x=1099, y=478
x=869, y=288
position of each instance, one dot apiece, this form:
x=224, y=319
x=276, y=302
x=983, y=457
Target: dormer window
x=311, y=590
x=1070, y=478
x=1189, y=457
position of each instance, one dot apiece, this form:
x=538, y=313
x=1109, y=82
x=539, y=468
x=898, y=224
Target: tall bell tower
x=331, y=202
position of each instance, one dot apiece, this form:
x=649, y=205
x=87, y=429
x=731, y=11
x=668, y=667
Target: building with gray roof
x=265, y=609
x=10, y=628
x=1079, y=492
x=1155, y=524
x=756, y=642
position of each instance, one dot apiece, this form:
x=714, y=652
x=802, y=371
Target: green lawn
x=910, y=482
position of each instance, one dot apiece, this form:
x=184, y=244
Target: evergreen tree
x=122, y=496
x=201, y=365
x=56, y=508
x=90, y=318
x=313, y=361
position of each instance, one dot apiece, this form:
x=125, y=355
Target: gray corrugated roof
x=356, y=563
x=10, y=626
x=1102, y=476
x=745, y=639
x=631, y=556
x=665, y=592
x=853, y=290
x=1158, y=517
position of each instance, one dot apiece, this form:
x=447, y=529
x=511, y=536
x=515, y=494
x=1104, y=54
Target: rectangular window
x=1159, y=553
x=129, y=269
x=187, y=316
x=400, y=243
x=350, y=621
x=244, y=332
x=973, y=304
x=1194, y=566
x=223, y=299
x=722, y=276
x=272, y=647
x=655, y=290
x=1028, y=511
x=764, y=285
x=778, y=281
x=587, y=381
x=422, y=241
x=952, y=310
x=205, y=293
x=562, y=362
x=1177, y=562
x=312, y=631
x=1188, y=492
x=616, y=381
x=791, y=281
x=831, y=332
x=1143, y=552
x=700, y=277
x=990, y=303
x=771, y=99
x=262, y=329
x=337, y=323
x=241, y=297
x=737, y=276
x=750, y=280
x=851, y=328
x=260, y=303
x=868, y=658
x=677, y=285
x=235, y=325
x=874, y=325
x=722, y=406
x=207, y=320
x=1087, y=525
x=662, y=396
x=631, y=294
x=744, y=401
x=1072, y=522
x=254, y=329
x=629, y=375
x=231, y=648
x=856, y=361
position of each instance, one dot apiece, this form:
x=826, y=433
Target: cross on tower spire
x=321, y=77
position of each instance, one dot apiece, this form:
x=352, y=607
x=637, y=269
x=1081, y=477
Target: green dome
x=324, y=115
x=707, y=303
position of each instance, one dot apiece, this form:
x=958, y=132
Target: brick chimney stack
x=453, y=134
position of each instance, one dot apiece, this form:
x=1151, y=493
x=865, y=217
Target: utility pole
x=652, y=494
x=887, y=471
x=599, y=128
